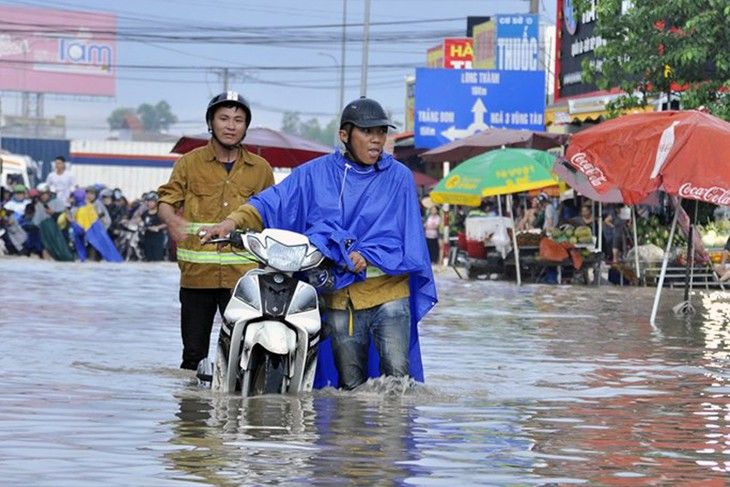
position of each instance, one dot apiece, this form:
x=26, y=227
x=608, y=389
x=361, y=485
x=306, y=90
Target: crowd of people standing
x=62, y=221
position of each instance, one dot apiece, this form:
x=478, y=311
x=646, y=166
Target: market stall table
x=534, y=267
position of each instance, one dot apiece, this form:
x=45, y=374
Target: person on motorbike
x=154, y=236
x=360, y=207
x=205, y=184
x=115, y=213
x=92, y=197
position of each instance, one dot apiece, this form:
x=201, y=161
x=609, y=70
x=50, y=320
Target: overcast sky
x=284, y=55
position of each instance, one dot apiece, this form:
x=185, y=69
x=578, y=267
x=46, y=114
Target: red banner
x=458, y=53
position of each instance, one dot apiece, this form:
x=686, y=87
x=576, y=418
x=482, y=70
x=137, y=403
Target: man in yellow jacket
x=206, y=184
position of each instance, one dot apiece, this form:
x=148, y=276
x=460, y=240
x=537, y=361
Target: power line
x=175, y=35
x=21, y=64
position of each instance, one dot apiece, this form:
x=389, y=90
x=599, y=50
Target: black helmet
x=365, y=113
x=228, y=97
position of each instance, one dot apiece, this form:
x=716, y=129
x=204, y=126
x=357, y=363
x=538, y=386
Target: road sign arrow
x=479, y=110
x=452, y=133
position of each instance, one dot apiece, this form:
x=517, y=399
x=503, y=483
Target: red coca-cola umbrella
x=279, y=148
x=683, y=153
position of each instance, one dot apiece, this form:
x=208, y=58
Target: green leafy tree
x=310, y=129
x=331, y=128
x=290, y=123
x=650, y=44
x=117, y=117
x=154, y=118
x=148, y=117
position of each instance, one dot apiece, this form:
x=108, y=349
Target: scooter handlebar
x=235, y=238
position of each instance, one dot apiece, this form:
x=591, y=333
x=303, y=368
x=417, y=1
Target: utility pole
x=339, y=99
x=342, y=61
x=225, y=75
x=364, y=69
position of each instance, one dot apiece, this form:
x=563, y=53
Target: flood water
x=537, y=385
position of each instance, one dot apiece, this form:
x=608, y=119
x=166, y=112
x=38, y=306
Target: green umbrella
x=497, y=172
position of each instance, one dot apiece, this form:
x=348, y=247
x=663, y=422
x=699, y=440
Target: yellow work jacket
x=207, y=193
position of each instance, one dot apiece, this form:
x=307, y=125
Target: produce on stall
x=576, y=235
x=653, y=231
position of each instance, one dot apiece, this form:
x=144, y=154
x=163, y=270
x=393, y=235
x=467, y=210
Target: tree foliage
x=154, y=118
x=118, y=116
x=653, y=46
x=311, y=129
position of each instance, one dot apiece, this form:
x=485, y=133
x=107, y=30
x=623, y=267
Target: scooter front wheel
x=268, y=373
x=220, y=372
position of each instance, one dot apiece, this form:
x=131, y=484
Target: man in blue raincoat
x=361, y=209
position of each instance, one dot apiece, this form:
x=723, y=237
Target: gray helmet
x=365, y=113
x=228, y=98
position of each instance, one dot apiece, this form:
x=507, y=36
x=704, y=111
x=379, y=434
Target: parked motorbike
x=128, y=241
x=271, y=327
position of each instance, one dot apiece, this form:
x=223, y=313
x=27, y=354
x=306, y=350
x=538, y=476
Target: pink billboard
x=57, y=51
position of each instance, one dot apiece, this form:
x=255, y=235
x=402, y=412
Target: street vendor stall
x=486, y=244
x=498, y=172
x=570, y=250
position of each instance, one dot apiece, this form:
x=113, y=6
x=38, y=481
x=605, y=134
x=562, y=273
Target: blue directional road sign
x=454, y=103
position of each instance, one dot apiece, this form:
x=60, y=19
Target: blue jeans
x=389, y=326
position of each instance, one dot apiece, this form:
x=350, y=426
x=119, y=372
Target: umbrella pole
x=514, y=243
x=636, y=244
x=599, y=240
x=686, y=306
x=660, y=284
x=499, y=211
x=690, y=261
x=600, y=226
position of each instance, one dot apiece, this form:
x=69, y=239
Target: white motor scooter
x=271, y=327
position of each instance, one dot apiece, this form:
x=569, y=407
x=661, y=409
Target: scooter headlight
x=285, y=258
x=247, y=290
x=303, y=300
x=312, y=260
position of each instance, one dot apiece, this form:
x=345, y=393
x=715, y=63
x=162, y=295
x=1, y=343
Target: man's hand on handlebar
x=220, y=230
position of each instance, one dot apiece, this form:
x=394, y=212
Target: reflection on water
x=538, y=385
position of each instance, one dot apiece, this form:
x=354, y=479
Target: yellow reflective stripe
x=351, y=321
x=193, y=227
x=373, y=272
x=213, y=257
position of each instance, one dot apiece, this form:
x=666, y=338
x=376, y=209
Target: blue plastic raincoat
x=375, y=210
x=86, y=223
